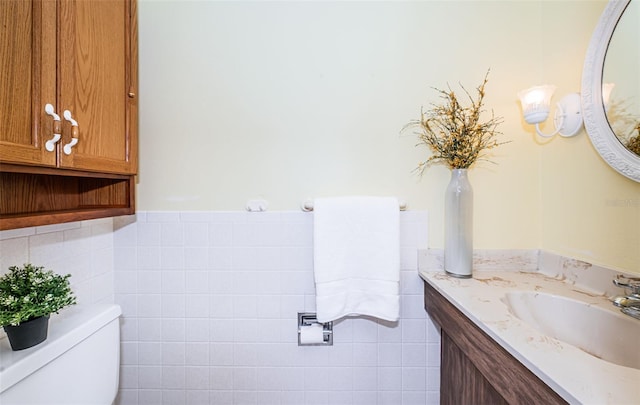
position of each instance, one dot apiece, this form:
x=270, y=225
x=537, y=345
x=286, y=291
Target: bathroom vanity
x=523, y=336
x=474, y=368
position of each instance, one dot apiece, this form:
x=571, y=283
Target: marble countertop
x=577, y=376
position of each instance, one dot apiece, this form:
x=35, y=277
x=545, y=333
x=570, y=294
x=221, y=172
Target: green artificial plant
x=29, y=292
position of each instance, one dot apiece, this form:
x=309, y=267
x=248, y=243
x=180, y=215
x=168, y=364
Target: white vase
x=458, y=225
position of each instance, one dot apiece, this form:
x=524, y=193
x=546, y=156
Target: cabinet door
x=97, y=84
x=27, y=81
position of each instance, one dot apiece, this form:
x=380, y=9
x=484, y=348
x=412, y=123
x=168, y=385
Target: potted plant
x=28, y=295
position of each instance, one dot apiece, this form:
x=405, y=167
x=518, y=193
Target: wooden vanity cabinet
x=78, y=56
x=474, y=368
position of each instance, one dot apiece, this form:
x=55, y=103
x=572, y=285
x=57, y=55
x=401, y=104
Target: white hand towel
x=357, y=257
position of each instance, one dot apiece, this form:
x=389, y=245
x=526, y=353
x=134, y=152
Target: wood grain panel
x=16, y=81
x=42, y=198
x=132, y=91
x=461, y=382
x=27, y=80
x=99, y=193
x=27, y=194
x=93, y=82
x=58, y=217
x=514, y=382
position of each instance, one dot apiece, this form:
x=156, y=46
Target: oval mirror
x=612, y=62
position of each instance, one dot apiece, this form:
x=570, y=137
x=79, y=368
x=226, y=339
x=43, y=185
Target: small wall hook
x=257, y=205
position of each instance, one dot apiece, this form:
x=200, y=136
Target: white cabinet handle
x=50, y=145
x=52, y=112
x=67, y=147
x=74, y=132
x=67, y=116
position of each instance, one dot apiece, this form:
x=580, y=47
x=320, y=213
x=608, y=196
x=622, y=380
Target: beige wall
x=587, y=210
x=293, y=100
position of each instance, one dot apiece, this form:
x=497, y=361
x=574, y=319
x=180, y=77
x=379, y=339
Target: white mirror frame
x=604, y=140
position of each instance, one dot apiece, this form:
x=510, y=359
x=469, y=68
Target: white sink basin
x=606, y=334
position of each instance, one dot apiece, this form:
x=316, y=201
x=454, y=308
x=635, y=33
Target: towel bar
x=307, y=205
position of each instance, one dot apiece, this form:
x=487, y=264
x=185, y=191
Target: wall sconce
x=535, y=108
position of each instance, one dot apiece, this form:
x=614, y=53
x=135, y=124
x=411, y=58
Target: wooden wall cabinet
x=474, y=368
x=80, y=57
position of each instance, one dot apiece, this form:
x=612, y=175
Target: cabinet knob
x=50, y=145
x=131, y=94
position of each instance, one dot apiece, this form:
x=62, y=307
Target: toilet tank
x=77, y=364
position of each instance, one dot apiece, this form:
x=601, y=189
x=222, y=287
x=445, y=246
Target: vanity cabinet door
x=460, y=381
x=27, y=80
x=97, y=84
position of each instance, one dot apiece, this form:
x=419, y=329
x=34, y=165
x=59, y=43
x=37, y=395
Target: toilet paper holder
x=309, y=319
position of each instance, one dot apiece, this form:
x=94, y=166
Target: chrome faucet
x=630, y=303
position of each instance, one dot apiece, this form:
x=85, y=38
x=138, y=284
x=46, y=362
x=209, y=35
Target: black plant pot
x=28, y=334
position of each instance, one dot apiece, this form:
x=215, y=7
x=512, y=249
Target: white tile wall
x=83, y=249
x=210, y=302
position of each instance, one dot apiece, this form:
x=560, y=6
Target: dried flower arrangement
x=633, y=144
x=624, y=124
x=454, y=133
x=30, y=292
